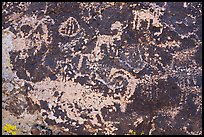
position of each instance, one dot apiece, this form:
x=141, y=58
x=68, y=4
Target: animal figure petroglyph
x=146, y=15
x=107, y=40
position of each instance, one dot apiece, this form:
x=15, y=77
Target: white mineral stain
x=7, y=86
x=7, y=46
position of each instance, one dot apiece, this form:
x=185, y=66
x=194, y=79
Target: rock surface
x=102, y=67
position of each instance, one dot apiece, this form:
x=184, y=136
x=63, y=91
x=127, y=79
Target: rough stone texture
x=102, y=67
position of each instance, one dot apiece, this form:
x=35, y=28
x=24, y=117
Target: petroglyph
x=152, y=18
x=102, y=68
x=70, y=27
x=108, y=40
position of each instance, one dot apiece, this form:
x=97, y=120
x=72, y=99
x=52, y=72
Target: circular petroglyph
x=70, y=27
x=121, y=80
